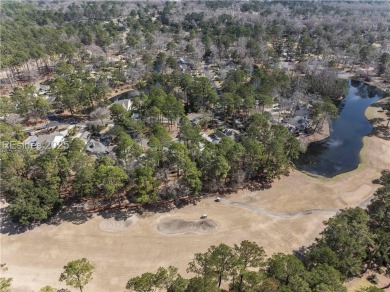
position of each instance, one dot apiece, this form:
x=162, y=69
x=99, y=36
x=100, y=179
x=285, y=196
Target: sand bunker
x=178, y=226
x=112, y=225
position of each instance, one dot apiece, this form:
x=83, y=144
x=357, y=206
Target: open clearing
x=281, y=219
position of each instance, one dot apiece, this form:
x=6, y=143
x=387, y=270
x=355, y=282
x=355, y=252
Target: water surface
x=339, y=153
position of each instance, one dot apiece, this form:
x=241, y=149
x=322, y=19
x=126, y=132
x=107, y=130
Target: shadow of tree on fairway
x=7, y=226
x=381, y=128
x=301, y=251
x=117, y=214
x=74, y=214
x=382, y=132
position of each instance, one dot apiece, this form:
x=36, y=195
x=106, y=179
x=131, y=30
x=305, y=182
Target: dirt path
x=262, y=211
x=266, y=212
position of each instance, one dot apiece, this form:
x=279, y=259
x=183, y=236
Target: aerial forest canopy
x=214, y=87
x=152, y=105
x=246, y=32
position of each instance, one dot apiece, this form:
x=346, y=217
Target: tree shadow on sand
x=301, y=251
x=79, y=214
x=7, y=226
x=164, y=207
x=75, y=214
x=117, y=214
x=381, y=128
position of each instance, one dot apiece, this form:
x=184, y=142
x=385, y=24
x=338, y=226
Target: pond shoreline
x=372, y=113
x=375, y=81
x=318, y=136
x=340, y=152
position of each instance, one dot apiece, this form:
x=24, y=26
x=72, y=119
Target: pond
x=340, y=152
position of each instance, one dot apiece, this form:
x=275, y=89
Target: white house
x=126, y=103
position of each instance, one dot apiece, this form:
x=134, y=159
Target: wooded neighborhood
x=133, y=106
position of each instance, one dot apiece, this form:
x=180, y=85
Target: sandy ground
x=281, y=219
